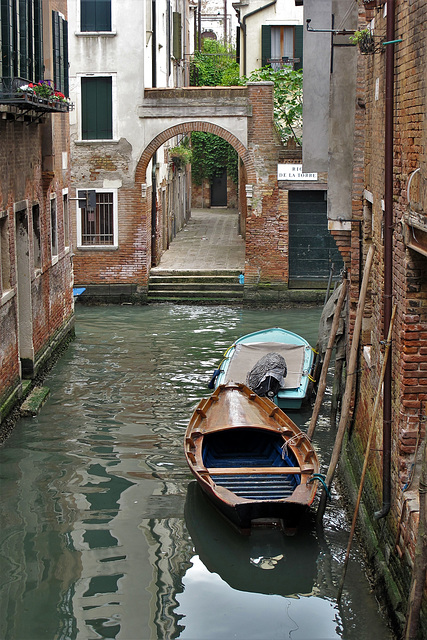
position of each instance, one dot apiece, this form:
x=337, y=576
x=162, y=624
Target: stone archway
x=188, y=127
x=248, y=175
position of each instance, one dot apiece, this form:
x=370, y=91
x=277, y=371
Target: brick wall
x=32, y=171
x=409, y=349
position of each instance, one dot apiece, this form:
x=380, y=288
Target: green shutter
x=177, y=40
x=299, y=30
x=38, y=41
x=265, y=44
x=60, y=52
x=23, y=53
x=7, y=39
x=103, y=15
x=97, y=109
x=95, y=15
x=56, y=38
x=66, y=85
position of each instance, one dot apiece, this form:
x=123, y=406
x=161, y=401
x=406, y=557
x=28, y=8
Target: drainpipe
x=243, y=28
x=154, y=45
x=388, y=253
x=199, y=25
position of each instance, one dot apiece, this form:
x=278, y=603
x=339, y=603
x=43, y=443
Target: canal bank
x=98, y=534
x=203, y=265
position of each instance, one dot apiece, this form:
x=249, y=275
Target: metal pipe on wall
x=388, y=252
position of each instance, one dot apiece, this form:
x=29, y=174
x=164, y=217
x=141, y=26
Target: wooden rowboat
x=250, y=458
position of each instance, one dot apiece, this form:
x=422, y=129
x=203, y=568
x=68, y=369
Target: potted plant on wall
x=365, y=41
x=180, y=155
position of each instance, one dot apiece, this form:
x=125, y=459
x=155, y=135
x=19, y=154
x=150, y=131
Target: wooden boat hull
x=250, y=459
x=245, y=352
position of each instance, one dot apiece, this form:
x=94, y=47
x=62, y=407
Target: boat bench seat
x=219, y=471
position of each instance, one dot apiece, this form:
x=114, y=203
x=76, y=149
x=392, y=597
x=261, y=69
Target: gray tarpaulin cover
x=246, y=355
x=273, y=365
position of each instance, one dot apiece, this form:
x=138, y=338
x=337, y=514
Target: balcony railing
x=13, y=93
x=282, y=63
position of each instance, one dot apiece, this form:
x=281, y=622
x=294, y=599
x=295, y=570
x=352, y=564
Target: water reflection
x=94, y=542
x=267, y=561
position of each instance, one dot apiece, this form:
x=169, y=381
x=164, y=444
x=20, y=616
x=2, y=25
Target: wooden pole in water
x=367, y=451
x=328, y=353
x=419, y=571
x=348, y=393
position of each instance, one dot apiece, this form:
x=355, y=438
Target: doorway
x=312, y=248
x=219, y=190
x=23, y=277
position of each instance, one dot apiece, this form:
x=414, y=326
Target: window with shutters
x=97, y=108
x=95, y=15
x=60, y=52
x=282, y=46
x=21, y=40
x=97, y=226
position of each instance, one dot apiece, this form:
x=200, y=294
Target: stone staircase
x=195, y=287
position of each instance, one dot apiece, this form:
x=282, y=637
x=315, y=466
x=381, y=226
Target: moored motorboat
x=250, y=458
x=274, y=362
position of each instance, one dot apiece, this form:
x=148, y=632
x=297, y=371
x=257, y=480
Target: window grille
x=97, y=224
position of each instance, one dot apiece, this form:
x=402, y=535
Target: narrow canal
x=104, y=533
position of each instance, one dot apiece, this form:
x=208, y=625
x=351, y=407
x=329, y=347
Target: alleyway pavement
x=209, y=240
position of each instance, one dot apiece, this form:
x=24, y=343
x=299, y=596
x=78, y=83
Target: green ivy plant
x=210, y=155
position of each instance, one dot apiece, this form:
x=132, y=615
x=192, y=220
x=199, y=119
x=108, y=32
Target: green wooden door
x=312, y=248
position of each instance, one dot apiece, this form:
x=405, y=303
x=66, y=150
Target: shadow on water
x=104, y=536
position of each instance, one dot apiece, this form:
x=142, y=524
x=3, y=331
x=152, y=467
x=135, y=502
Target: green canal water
x=104, y=534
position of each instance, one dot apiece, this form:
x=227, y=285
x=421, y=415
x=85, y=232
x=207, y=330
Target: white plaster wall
x=120, y=54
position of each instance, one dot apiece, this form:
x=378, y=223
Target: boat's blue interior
x=247, y=448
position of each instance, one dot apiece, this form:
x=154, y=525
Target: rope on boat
x=322, y=479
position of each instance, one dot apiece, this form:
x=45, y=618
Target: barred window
x=97, y=225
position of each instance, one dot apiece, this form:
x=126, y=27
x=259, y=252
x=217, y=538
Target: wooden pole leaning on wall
x=328, y=353
x=348, y=393
x=367, y=451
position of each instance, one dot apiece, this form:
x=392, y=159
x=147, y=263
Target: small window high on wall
x=95, y=15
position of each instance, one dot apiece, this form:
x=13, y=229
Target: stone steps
x=195, y=287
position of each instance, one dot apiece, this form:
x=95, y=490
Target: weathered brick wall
x=266, y=244
x=32, y=169
x=409, y=348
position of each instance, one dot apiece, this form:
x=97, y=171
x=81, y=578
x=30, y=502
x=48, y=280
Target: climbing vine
x=210, y=154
